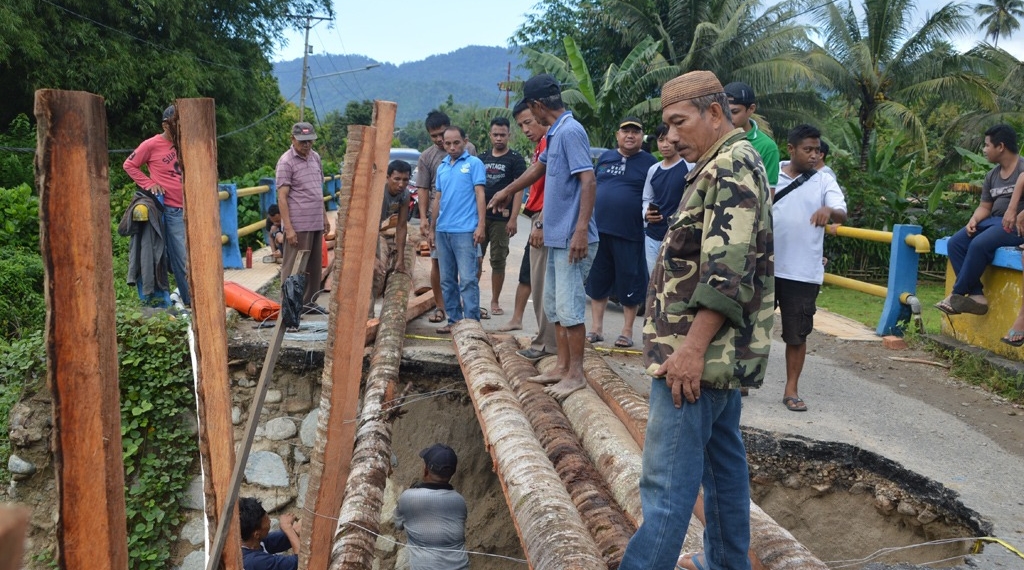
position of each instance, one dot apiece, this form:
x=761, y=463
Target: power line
x=147, y=42
x=337, y=30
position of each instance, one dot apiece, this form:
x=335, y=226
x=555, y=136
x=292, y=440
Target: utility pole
x=506, y=85
x=305, y=66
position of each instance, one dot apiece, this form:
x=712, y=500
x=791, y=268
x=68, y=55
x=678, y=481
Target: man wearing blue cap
x=433, y=515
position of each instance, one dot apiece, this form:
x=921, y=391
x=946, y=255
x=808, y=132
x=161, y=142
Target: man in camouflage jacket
x=710, y=314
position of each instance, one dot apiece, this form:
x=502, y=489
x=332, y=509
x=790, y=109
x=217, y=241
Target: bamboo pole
x=350, y=298
x=602, y=515
x=196, y=134
x=81, y=337
x=549, y=526
x=371, y=461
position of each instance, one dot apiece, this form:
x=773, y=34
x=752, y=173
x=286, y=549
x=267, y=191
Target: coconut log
x=774, y=545
x=631, y=408
x=549, y=527
x=602, y=515
x=371, y=460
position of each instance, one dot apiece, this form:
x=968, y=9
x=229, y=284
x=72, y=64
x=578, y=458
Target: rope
x=976, y=548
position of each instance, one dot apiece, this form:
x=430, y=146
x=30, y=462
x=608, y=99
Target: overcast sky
x=399, y=31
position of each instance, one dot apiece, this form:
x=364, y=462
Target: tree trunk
x=630, y=407
x=598, y=509
x=550, y=529
x=371, y=460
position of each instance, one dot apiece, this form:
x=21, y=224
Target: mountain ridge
x=470, y=75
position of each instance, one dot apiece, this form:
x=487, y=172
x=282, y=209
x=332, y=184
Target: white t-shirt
x=798, y=242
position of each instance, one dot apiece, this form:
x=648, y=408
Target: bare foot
x=567, y=386
x=549, y=377
x=511, y=326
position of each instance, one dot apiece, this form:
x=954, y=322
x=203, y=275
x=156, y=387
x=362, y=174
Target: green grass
x=867, y=309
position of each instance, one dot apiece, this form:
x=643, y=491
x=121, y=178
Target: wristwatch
x=538, y=225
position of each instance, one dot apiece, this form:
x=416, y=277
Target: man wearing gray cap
x=708, y=331
x=433, y=515
x=300, y=195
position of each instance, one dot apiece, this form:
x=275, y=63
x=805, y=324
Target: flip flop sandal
x=1014, y=342
x=946, y=307
x=623, y=342
x=437, y=317
x=964, y=304
x=484, y=314
x=498, y=312
x=794, y=404
x=698, y=561
x=447, y=329
x=594, y=338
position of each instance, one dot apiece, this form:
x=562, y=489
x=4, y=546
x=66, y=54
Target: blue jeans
x=174, y=234
x=565, y=297
x=969, y=256
x=696, y=444
x=456, y=258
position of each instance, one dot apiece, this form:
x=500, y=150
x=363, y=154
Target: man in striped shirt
x=433, y=515
x=300, y=179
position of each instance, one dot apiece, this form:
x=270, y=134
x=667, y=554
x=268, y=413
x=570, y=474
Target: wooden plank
x=227, y=513
x=13, y=527
x=81, y=337
x=350, y=301
x=196, y=134
x=417, y=306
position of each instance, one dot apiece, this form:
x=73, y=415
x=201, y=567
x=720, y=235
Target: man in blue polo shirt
x=570, y=232
x=459, y=201
x=620, y=266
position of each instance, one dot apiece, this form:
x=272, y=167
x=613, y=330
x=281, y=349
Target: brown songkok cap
x=690, y=86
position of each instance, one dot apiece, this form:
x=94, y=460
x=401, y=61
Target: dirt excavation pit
x=846, y=504
x=438, y=410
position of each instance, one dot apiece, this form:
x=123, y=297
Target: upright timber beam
x=343, y=362
x=81, y=338
x=196, y=134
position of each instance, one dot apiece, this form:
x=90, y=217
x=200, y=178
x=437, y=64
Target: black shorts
x=796, y=302
x=524, y=267
x=620, y=267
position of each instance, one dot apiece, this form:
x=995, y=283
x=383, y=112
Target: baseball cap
x=440, y=459
x=168, y=113
x=631, y=122
x=540, y=86
x=303, y=132
x=740, y=93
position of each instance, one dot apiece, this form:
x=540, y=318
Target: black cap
x=740, y=93
x=303, y=132
x=440, y=459
x=541, y=86
x=631, y=122
x=168, y=113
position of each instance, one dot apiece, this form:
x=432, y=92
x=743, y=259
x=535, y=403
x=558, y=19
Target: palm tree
x=626, y=88
x=736, y=39
x=882, y=66
x=1000, y=18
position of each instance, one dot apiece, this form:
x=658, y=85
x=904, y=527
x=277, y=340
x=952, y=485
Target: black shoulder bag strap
x=796, y=183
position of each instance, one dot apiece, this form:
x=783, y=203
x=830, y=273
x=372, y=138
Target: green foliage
x=156, y=393
x=16, y=166
x=22, y=366
x=22, y=301
x=19, y=217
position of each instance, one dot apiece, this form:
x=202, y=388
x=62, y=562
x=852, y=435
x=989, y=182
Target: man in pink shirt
x=300, y=195
x=160, y=157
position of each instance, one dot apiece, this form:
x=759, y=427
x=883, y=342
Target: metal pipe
x=915, y=309
x=859, y=233
x=919, y=242
x=252, y=191
x=870, y=289
x=252, y=228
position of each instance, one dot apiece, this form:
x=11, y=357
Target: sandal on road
x=623, y=342
x=794, y=404
x=497, y=311
x=447, y=329
x=484, y=314
x=594, y=338
x=1014, y=338
x=437, y=317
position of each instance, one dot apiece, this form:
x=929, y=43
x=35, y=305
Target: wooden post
x=13, y=525
x=197, y=153
x=350, y=301
x=81, y=337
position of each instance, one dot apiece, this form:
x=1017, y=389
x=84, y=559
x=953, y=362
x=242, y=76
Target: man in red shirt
x=531, y=273
x=160, y=157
